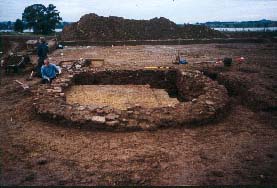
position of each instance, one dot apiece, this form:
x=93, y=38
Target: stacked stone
x=204, y=101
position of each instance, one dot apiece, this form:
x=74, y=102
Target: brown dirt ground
x=238, y=149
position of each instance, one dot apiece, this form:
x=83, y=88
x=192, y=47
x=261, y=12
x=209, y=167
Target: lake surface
x=251, y=29
x=27, y=30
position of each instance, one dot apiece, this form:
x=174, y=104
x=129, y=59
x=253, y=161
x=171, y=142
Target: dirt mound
x=99, y=28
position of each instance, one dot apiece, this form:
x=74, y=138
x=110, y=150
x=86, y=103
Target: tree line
x=243, y=24
x=9, y=25
x=37, y=17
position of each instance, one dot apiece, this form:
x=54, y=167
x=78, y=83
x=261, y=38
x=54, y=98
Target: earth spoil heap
x=98, y=28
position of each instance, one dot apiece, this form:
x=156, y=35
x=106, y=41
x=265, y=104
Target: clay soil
x=240, y=148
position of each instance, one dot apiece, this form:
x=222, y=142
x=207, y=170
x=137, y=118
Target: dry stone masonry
x=201, y=99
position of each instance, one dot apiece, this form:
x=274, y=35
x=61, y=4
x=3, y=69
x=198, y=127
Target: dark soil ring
x=201, y=99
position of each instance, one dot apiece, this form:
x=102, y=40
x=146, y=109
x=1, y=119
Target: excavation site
x=131, y=99
x=139, y=103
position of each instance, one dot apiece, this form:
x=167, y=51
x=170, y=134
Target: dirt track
x=239, y=149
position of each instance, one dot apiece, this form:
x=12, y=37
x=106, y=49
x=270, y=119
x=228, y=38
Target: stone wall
x=204, y=101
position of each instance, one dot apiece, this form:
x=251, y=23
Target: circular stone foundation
x=130, y=99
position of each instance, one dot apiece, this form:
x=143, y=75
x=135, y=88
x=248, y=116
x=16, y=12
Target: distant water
x=251, y=29
x=27, y=30
x=247, y=29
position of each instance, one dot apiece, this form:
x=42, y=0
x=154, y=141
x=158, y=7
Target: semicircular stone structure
x=201, y=99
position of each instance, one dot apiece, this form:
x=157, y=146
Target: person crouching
x=49, y=72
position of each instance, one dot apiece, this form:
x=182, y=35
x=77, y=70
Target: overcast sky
x=179, y=11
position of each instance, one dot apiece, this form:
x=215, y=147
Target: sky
x=179, y=11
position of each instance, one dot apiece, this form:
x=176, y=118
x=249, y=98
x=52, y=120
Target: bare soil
x=99, y=28
x=240, y=148
x=119, y=96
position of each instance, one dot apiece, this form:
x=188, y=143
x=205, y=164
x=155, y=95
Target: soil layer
x=237, y=149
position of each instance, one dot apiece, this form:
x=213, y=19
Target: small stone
x=249, y=158
x=99, y=111
x=198, y=72
x=148, y=126
x=194, y=100
x=111, y=116
x=92, y=107
x=98, y=119
x=112, y=123
x=65, y=84
x=211, y=109
x=81, y=108
x=130, y=112
x=124, y=120
x=57, y=88
x=209, y=102
x=183, y=73
x=136, y=112
x=65, y=80
x=78, y=66
x=147, y=113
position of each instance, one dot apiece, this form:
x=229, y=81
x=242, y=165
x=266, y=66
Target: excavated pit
x=126, y=88
x=119, y=96
x=130, y=99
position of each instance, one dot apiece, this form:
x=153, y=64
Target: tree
x=40, y=18
x=18, y=26
x=52, y=17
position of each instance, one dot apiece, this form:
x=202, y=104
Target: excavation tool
x=30, y=77
x=24, y=86
x=159, y=67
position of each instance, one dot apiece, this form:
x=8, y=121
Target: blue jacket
x=49, y=71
